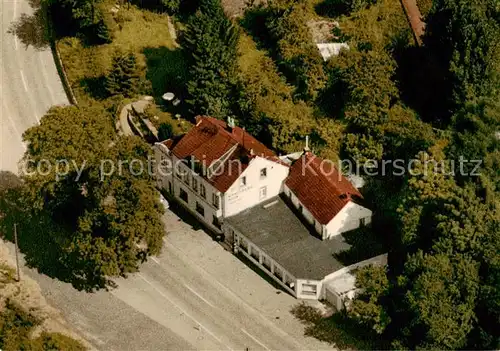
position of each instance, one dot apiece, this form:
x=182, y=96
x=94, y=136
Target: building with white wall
x=216, y=171
x=325, y=198
x=285, y=214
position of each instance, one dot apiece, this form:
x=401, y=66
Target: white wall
x=302, y=284
x=238, y=198
x=348, y=219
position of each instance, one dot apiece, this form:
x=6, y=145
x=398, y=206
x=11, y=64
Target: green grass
x=140, y=31
x=179, y=127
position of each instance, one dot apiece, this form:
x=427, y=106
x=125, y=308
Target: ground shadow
x=166, y=70
x=423, y=84
x=364, y=243
x=262, y=274
x=95, y=87
x=332, y=8
x=32, y=30
x=337, y=329
x=41, y=241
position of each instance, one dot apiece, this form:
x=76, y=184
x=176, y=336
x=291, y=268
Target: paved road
x=175, y=303
x=29, y=85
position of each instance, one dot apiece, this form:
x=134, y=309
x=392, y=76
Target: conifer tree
x=124, y=77
x=211, y=42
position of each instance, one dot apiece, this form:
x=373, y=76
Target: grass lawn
x=143, y=32
x=179, y=126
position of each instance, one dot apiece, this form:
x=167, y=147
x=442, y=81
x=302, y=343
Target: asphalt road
x=172, y=304
x=29, y=85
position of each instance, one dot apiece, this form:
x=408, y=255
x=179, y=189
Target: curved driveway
x=29, y=85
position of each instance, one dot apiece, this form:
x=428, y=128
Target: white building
x=277, y=211
x=216, y=171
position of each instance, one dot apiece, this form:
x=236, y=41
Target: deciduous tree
x=103, y=193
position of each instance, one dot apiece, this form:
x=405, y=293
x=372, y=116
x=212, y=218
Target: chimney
x=306, y=148
x=230, y=123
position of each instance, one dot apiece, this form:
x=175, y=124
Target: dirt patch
x=27, y=294
x=236, y=8
x=322, y=31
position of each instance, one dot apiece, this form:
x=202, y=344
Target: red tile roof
x=320, y=187
x=210, y=139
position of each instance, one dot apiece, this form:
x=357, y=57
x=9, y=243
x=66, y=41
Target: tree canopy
x=102, y=191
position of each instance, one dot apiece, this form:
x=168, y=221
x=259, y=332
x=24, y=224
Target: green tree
x=464, y=35
x=369, y=307
x=106, y=197
x=211, y=42
x=268, y=107
x=165, y=131
x=439, y=302
x=80, y=16
x=17, y=326
x=296, y=51
x=124, y=77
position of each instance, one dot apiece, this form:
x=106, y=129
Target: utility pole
x=17, y=254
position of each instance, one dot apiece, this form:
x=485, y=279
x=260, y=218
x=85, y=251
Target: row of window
x=199, y=207
x=197, y=188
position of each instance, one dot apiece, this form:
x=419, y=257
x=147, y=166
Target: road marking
x=201, y=297
x=183, y=311
x=238, y=298
x=188, y=287
x=24, y=80
x=46, y=77
x=18, y=134
x=254, y=339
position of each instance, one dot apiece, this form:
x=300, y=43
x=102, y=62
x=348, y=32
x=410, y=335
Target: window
x=195, y=184
x=169, y=187
x=186, y=178
x=263, y=172
x=183, y=195
x=200, y=209
x=243, y=181
x=263, y=192
x=301, y=209
x=178, y=173
x=203, y=191
x=362, y=222
x=309, y=289
x=215, y=200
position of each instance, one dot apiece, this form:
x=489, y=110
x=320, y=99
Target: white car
x=164, y=202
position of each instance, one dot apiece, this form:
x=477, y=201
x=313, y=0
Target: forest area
x=383, y=99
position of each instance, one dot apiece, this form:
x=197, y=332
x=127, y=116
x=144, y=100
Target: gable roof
x=211, y=139
x=320, y=187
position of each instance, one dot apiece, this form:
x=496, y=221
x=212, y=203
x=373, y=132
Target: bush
x=169, y=6
x=16, y=327
x=165, y=131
